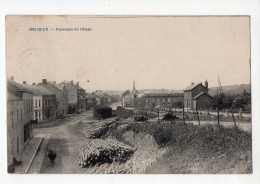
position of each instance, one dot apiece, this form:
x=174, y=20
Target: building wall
x=81, y=102
x=203, y=102
x=37, y=107
x=72, y=95
x=49, y=108
x=62, y=102
x=187, y=99
x=188, y=95
x=19, y=114
x=162, y=101
x=61, y=98
x=128, y=100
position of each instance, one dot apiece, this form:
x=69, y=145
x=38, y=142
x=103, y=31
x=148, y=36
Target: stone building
x=159, y=100
x=76, y=96
x=196, y=97
x=129, y=96
x=19, y=116
x=61, y=96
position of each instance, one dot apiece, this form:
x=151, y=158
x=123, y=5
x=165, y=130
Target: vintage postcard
x=128, y=94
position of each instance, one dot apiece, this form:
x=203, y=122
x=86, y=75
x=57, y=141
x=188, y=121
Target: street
x=65, y=139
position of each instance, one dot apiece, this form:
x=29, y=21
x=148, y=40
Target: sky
x=155, y=52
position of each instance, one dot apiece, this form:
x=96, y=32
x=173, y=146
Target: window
x=12, y=119
x=21, y=114
x=169, y=99
x=39, y=115
x=17, y=118
x=39, y=103
x=36, y=103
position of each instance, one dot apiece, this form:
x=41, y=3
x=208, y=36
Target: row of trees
x=235, y=101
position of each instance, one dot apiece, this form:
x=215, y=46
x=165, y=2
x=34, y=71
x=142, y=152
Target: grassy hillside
x=195, y=149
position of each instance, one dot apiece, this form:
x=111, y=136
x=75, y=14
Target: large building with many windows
x=159, y=100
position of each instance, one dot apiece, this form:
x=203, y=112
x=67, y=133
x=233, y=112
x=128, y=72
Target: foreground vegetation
x=195, y=149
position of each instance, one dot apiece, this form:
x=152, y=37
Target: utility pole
x=218, y=114
x=198, y=117
x=183, y=115
x=233, y=118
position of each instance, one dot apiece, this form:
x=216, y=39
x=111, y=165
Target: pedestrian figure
x=52, y=156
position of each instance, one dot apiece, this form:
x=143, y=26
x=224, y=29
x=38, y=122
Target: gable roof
x=201, y=93
x=38, y=90
x=192, y=86
x=18, y=87
x=72, y=84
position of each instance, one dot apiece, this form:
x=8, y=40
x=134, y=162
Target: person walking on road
x=52, y=156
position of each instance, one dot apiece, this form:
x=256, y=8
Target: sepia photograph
x=128, y=94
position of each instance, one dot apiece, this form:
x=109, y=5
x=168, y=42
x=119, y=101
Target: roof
x=38, y=90
x=18, y=86
x=201, y=93
x=164, y=94
x=88, y=95
x=14, y=90
x=192, y=86
x=73, y=84
x=139, y=95
x=59, y=86
x=52, y=86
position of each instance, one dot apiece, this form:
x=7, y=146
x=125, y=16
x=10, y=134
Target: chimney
x=77, y=83
x=12, y=78
x=44, y=81
x=71, y=82
x=34, y=84
x=54, y=82
x=192, y=83
x=24, y=82
x=206, y=84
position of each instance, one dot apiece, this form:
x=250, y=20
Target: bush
x=169, y=117
x=141, y=118
x=103, y=112
x=163, y=135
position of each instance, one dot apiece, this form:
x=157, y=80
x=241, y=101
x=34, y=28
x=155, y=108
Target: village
x=101, y=132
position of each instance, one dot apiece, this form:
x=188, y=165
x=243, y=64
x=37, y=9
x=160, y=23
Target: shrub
x=169, y=117
x=141, y=118
x=102, y=112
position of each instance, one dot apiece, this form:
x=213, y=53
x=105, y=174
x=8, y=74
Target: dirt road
x=65, y=139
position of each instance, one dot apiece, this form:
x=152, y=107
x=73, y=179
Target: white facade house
x=37, y=107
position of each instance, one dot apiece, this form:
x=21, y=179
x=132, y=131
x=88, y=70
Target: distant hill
x=231, y=89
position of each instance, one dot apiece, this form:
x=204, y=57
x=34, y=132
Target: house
x=196, y=97
x=19, y=117
x=44, y=102
x=129, y=96
x=61, y=96
x=90, y=100
x=159, y=100
x=76, y=96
